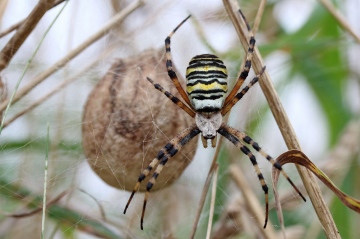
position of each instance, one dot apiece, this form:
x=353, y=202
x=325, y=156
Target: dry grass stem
x=57, y=89
x=203, y=196
x=23, y=32
x=3, y=5
x=63, y=61
x=212, y=203
x=340, y=18
x=255, y=208
x=284, y=124
x=17, y=25
x=258, y=17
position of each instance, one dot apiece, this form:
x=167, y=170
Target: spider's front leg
x=163, y=156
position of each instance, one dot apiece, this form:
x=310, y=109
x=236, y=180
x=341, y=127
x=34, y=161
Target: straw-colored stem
x=258, y=17
x=340, y=18
x=284, y=124
x=212, y=203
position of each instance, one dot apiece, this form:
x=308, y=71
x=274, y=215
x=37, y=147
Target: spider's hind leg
x=275, y=164
x=248, y=140
x=228, y=134
x=163, y=156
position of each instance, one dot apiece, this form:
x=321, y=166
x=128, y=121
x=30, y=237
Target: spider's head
x=208, y=124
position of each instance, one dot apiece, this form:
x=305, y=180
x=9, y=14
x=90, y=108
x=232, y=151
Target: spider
x=206, y=88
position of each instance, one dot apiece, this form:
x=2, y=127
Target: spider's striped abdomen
x=206, y=82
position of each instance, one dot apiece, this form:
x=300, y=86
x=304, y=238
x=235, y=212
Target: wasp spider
x=206, y=88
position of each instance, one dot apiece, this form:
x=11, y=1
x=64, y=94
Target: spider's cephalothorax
x=205, y=101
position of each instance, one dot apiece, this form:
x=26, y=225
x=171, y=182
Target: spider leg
x=256, y=146
x=240, y=94
x=226, y=132
x=247, y=66
x=174, y=99
x=169, y=150
x=171, y=72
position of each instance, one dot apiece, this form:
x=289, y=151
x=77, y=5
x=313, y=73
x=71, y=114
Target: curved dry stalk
x=284, y=124
x=23, y=32
x=101, y=208
x=63, y=61
x=346, y=148
x=340, y=18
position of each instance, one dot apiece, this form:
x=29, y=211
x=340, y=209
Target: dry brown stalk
x=17, y=25
x=59, y=87
x=284, y=124
x=212, y=203
x=63, y=61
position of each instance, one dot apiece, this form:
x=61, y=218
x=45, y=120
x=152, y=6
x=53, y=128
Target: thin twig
x=23, y=32
x=45, y=181
x=340, y=18
x=30, y=213
x=63, y=61
x=283, y=123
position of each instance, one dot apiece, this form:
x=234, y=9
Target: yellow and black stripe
x=206, y=83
